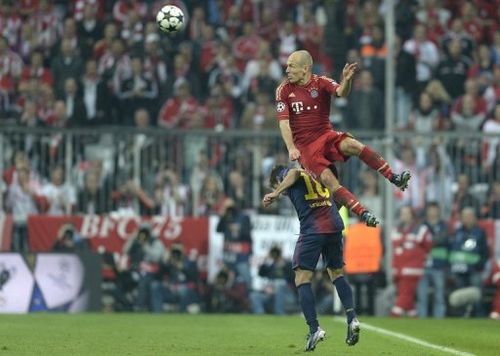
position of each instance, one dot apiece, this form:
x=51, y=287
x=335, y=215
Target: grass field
x=172, y=334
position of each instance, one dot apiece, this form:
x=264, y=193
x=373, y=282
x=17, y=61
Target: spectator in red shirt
x=246, y=46
x=269, y=25
x=47, y=25
x=30, y=89
x=27, y=7
x=104, y=44
x=219, y=110
x=37, y=70
x=435, y=31
x=181, y=111
x=130, y=195
x=122, y=8
x=479, y=104
x=495, y=308
x=472, y=24
x=11, y=66
x=208, y=52
x=411, y=243
x=20, y=161
x=80, y=5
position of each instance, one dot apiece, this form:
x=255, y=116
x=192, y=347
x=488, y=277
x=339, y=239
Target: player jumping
x=303, y=107
x=320, y=233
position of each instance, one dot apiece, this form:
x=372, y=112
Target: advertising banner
x=268, y=231
x=362, y=249
x=111, y=233
x=62, y=282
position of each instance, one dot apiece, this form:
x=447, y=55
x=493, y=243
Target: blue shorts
x=309, y=247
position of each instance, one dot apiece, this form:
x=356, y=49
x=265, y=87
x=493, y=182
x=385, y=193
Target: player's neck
x=305, y=80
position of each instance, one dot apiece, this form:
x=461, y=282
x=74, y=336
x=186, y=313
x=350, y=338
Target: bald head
x=299, y=66
x=303, y=57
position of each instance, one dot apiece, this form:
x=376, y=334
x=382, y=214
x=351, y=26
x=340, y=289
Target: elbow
x=341, y=93
x=295, y=173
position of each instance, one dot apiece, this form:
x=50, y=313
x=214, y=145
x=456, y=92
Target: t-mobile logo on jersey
x=297, y=107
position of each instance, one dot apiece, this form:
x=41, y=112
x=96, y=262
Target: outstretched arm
x=286, y=133
x=290, y=178
x=347, y=75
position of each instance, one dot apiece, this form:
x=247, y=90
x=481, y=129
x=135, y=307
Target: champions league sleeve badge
x=314, y=93
x=280, y=107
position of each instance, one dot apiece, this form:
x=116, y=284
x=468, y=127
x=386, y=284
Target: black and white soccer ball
x=170, y=19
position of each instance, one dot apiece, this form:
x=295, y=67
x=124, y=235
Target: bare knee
x=351, y=146
x=302, y=276
x=329, y=180
x=335, y=273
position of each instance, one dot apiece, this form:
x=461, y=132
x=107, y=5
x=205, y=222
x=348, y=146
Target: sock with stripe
x=375, y=161
x=343, y=196
x=306, y=298
x=345, y=294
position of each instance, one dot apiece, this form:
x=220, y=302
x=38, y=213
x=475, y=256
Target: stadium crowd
x=95, y=63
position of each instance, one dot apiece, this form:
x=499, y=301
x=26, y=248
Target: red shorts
x=320, y=154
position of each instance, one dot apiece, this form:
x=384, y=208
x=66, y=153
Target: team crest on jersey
x=280, y=107
x=314, y=93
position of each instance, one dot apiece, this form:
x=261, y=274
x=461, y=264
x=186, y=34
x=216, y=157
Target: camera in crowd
x=68, y=234
x=177, y=251
x=222, y=278
x=275, y=253
x=144, y=233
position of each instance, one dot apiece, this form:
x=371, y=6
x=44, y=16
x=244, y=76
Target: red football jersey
x=307, y=107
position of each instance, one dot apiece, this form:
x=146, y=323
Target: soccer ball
x=170, y=19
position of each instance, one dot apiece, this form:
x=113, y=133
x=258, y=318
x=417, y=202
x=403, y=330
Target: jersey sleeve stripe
x=278, y=91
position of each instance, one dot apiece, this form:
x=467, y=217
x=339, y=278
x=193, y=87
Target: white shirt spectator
x=20, y=203
x=174, y=203
x=491, y=127
x=253, y=69
x=427, y=56
x=90, y=97
x=61, y=198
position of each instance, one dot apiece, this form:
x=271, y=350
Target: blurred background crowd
x=130, y=96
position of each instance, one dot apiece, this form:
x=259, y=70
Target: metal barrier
x=121, y=154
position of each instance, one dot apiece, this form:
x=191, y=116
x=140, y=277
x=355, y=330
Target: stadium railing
x=121, y=154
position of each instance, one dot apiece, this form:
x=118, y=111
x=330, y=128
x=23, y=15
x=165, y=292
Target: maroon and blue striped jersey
x=315, y=207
